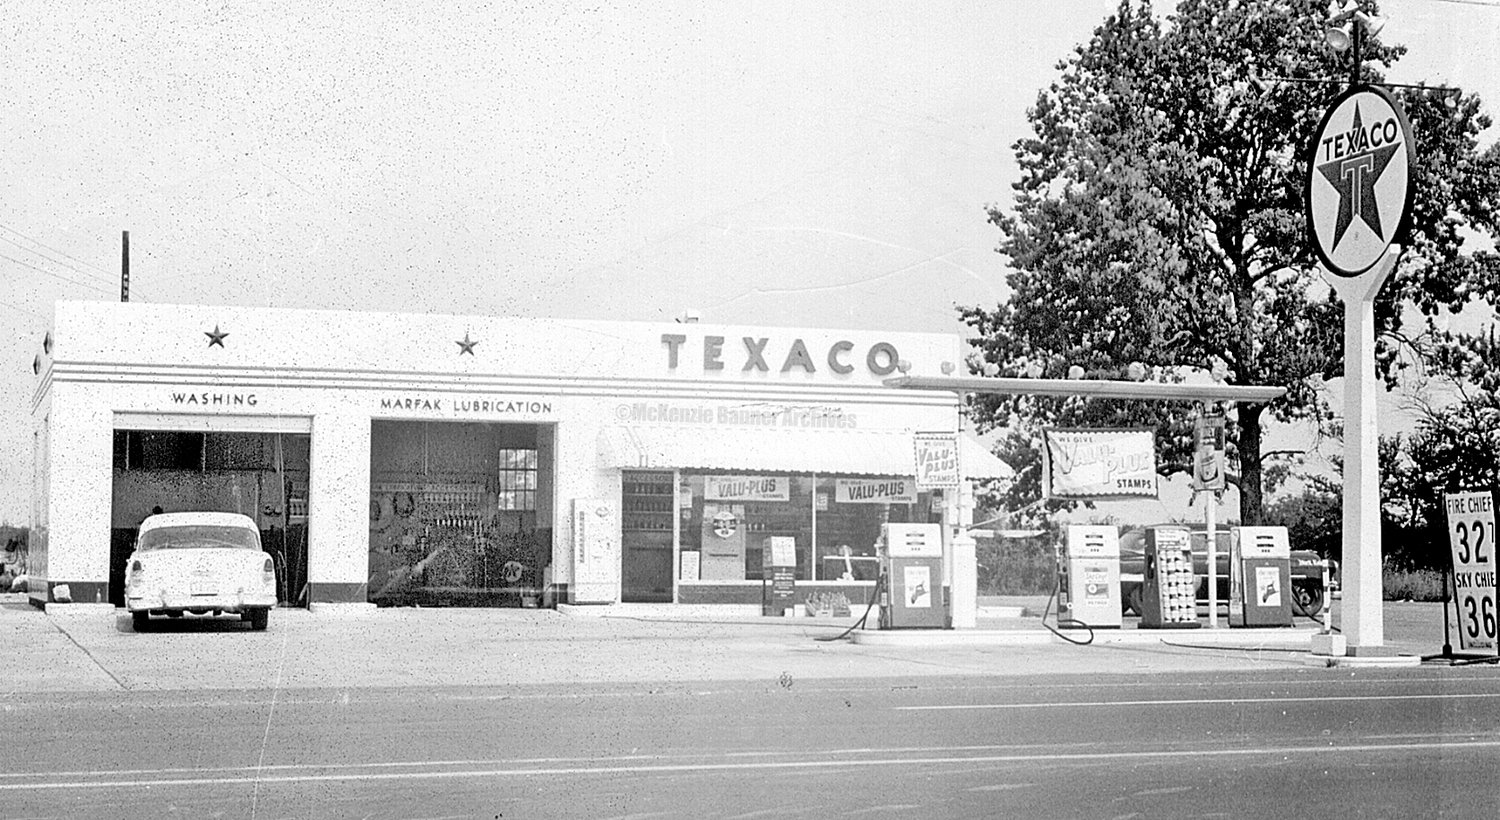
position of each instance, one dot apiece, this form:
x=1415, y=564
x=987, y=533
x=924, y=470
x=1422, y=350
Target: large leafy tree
x=1158, y=220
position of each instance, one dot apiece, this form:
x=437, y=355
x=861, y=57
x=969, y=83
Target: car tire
x=259, y=619
x=1307, y=600
x=140, y=620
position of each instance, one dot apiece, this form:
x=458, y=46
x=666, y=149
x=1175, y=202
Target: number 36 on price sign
x=1471, y=531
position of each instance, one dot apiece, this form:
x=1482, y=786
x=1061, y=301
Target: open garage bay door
x=200, y=463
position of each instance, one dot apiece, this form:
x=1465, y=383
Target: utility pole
x=124, y=266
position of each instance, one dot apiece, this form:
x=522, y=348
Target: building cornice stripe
x=459, y=384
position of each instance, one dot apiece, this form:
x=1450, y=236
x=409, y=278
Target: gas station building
x=436, y=460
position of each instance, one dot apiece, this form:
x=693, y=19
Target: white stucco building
x=440, y=460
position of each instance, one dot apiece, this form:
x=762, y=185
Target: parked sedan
x=1306, y=571
x=203, y=563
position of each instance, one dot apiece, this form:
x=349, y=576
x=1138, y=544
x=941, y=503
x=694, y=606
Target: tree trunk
x=1251, y=501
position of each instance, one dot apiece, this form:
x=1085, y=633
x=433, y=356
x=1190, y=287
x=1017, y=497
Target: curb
x=1241, y=639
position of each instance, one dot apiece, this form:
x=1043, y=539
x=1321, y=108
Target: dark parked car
x=1307, y=572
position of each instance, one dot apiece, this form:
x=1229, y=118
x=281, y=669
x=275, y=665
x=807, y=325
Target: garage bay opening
x=460, y=514
x=263, y=475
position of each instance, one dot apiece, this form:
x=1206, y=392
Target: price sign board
x=1471, y=532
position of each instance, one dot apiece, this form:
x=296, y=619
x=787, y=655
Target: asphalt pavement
x=90, y=647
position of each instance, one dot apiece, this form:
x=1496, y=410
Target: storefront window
x=725, y=519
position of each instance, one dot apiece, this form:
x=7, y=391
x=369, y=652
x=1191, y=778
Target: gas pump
x=1260, y=577
x=912, y=559
x=1091, y=578
x=1169, y=586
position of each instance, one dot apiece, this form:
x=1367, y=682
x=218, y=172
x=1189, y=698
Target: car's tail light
x=269, y=568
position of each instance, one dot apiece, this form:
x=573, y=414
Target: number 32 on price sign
x=1471, y=531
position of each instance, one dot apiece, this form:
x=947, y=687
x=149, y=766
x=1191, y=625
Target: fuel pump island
x=1089, y=559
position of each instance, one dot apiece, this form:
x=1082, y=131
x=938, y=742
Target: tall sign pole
x=1358, y=197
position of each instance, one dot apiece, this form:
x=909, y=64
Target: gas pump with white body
x=1260, y=577
x=1091, y=573
x=912, y=560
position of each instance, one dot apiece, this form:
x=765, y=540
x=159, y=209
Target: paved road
x=475, y=713
x=1274, y=743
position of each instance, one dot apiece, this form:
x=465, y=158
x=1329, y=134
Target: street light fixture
x=1347, y=27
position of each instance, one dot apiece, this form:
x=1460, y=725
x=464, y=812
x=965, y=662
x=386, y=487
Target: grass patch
x=1413, y=585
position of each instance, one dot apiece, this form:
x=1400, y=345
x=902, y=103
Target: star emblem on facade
x=1354, y=177
x=466, y=346
x=215, y=336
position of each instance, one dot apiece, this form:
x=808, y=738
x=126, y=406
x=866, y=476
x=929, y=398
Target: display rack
x=647, y=503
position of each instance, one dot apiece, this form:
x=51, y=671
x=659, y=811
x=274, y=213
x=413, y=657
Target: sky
x=779, y=163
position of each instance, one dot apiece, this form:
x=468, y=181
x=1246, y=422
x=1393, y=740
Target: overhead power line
x=96, y=270
x=55, y=275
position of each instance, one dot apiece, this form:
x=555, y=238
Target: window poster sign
x=937, y=461
x=747, y=488
x=691, y=561
x=782, y=551
x=918, y=586
x=1098, y=463
x=1471, y=533
x=875, y=491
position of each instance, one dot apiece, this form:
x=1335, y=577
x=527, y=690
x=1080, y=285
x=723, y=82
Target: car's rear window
x=198, y=536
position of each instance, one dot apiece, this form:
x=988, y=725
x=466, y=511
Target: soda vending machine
x=1169, y=587
x=1091, y=592
x=912, y=555
x=1260, y=577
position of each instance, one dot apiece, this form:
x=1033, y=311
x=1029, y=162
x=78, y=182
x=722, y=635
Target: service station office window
x=835, y=521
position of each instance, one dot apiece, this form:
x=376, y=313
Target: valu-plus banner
x=1098, y=463
x=747, y=488
x=937, y=461
x=875, y=491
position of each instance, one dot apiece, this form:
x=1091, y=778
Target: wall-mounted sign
x=875, y=491
x=937, y=461
x=1095, y=463
x=746, y=488
x=752, y=354
x=1359, y=187
x=753, y=414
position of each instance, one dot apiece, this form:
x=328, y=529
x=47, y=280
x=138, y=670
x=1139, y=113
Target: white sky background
x=778, y=163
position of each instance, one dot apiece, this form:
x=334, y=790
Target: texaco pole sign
x=1359, y=192
x=1359, y=181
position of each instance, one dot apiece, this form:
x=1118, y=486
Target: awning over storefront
x=979, y=462
x=845, y=452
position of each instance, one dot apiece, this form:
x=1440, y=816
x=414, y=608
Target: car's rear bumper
x=224, y=602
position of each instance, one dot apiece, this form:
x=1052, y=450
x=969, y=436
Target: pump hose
x=1061, y=621
x=860, y=624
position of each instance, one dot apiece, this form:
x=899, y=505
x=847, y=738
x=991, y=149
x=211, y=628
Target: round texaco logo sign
x=1359, y=180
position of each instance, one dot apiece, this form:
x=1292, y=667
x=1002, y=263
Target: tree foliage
x=1158, y=219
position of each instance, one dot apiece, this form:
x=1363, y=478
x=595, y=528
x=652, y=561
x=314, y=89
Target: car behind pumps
x=199, y=562
x=1307, y=572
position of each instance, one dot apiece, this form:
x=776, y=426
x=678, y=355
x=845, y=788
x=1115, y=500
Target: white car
x=199, y=562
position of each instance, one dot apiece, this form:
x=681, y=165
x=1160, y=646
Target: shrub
x=1413, y=585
